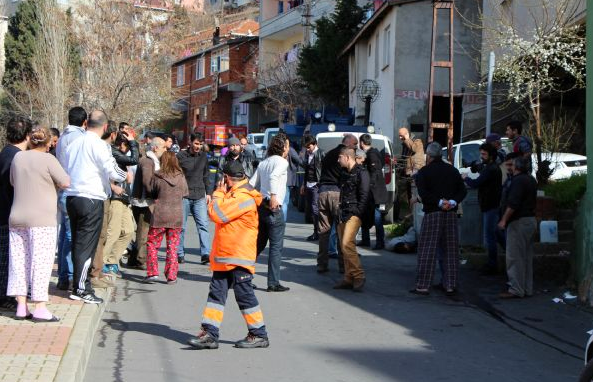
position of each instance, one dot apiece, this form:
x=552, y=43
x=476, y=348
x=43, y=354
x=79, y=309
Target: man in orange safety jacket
x=232, y=259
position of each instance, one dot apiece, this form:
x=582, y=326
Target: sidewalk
x=46, y=352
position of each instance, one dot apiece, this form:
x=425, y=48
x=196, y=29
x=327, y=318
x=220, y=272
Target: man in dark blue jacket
x=489, y=185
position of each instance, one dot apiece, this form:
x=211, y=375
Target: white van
x=329, y=140
x=256, y=141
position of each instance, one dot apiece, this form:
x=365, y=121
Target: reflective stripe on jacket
x=235, y=235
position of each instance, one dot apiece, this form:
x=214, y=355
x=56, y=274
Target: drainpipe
x=489, y=94
x=584, y=223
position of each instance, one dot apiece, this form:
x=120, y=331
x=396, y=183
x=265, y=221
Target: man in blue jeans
x=194, y=163
x=64, y=246
x=489, y=185
x=270, y=179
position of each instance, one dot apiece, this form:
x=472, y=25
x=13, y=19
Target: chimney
x=216, y=36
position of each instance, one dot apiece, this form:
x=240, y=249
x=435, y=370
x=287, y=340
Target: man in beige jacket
x=411, y=161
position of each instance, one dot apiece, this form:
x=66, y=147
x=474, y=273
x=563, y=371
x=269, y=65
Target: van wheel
x=587, y=373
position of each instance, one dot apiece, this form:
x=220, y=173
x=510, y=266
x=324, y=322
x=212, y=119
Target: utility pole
x=489, y=94
x=306, y=23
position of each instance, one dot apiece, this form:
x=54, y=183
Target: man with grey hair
x=441, y=189
x=91, y=168
x=329, y=201
x=520, y=224
x=142, y=200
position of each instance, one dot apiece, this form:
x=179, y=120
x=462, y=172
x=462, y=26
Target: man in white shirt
x=91, y=167
x=270, y=179
x=76, y=128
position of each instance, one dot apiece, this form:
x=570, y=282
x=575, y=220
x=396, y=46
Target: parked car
x=587, y=373
x=256, y=141
x=329, y=140
x=564, y=165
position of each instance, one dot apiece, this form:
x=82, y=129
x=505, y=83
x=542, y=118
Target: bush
x=567, y=192
x=397, y=229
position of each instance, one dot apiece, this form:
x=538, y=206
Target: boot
x=203, y=341
x=252, y=341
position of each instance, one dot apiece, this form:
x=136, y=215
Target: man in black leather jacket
x=378, y=193
x=354, y=196
x=310, y=188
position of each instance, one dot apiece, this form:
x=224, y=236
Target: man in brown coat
x=412, y=160
x=142, y=198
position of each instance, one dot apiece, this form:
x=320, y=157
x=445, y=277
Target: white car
x=256, y=141
x=564, y=165
x=329, y=140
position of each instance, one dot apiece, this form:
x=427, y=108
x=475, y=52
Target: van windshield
x=328, y=143
x=258, y=139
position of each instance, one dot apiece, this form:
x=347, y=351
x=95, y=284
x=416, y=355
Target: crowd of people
x=112, y=196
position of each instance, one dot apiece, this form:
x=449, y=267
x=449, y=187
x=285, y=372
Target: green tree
x=321, y=65
x=19, y=46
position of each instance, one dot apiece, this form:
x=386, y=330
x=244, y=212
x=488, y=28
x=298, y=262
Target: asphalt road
x=320, y=334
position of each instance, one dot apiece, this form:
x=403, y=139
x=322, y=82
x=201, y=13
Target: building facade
x=209, y=84
x=393, y=48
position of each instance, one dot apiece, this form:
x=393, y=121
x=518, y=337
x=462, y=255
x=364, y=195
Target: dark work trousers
x=86, y=219
x=240, y=280
x=271, y=227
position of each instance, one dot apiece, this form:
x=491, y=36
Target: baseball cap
x=492, y=138
x=233, y=168
x=234, y=141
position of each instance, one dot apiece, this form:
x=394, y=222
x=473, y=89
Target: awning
x=251, y=97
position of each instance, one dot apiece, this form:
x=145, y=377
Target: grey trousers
x=519, y=255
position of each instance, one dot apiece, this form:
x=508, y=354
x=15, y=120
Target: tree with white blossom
x=538, y=57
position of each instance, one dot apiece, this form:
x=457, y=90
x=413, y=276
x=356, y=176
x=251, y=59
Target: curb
x=75, y=359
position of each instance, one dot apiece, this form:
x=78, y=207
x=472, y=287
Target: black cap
x=233, y=168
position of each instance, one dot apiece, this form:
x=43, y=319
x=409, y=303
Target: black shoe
x=378, y=246
x=205, y=259
x=52, y=319
x=180, y=259
x=313, y=237
x=322, y=269
x=203, y=341
x=63, y=285
x=363, y=243
x=278, y=288
x=87, y=298
x=252, y=341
